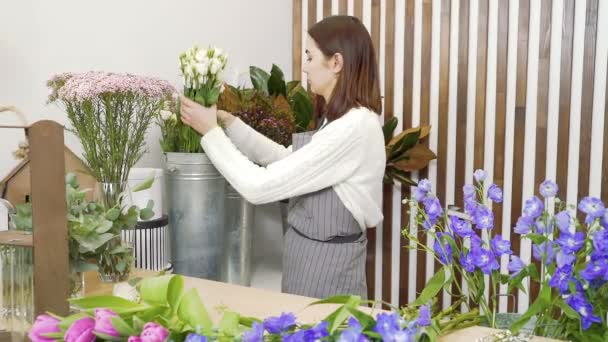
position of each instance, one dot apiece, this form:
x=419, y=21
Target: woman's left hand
x=202, y=119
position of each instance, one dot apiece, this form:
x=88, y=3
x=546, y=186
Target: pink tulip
x=103, y=322
x=81, y=331
x=154, y=333
x=44, y=324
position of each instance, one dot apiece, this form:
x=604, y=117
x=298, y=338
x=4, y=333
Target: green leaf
x=302, y=108
x=537, y=238
x=175, y=291
x=155, y=290
x=389, y=129
x=116, y=304
x=540, y=304
x=259, y=79
x=146, y=214
x=122, y=327
x=366, y=321
x=341, y=299
x=58, y=335
x=229, y=323
x=337, y=318
x=276, y=82
x=145, y=185
x=192, y=311
x=432, y=288
x=71, y=180
x=113, y=214
x=292, y=86
x=104, y=226
x=407, y=142
x=106, y=337
x=567, y=310
x=67, y=322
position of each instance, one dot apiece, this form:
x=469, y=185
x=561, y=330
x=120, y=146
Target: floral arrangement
x=202, y=76
x=165, y=312
x=110, y=114
x=93, y=232
x=573, y=299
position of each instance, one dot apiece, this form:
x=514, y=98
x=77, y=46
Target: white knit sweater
x=347, y=154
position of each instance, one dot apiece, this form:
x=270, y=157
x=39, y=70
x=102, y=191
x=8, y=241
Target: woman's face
x=322, y=72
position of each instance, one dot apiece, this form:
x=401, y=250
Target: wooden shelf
x=16, y=238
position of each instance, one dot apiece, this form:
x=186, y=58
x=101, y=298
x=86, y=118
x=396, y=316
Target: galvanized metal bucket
x=195, y=203
x=238, y=240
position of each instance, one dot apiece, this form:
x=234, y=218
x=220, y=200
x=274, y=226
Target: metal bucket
x=238, y=240
x=195, y=203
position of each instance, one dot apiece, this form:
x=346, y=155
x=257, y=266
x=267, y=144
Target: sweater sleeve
x=255, y=145
x=332, y=156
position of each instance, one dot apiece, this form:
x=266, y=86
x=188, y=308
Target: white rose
x=202, y=68
x=200, y=56
x=216, y=65
x=165, y=115
x=217, y=53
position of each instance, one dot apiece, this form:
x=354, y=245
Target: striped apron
x=325, y=250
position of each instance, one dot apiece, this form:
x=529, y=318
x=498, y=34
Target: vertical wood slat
x=605, y=159
x=408, y=61
x=542, y=110
x=358, y=12
x=326, y=8
x=587, y=101
x=520, y=112
x=296, y=36
x=388, y=113
x=482, y=63
x=564, y=96
x=343, y=7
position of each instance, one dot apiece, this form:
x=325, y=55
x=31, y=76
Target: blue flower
x=192, y=337
x=562, y=259
x=468, y=191
x=256, y=334
x=562, y=219
x=313, y=334
x=475, y=241
x=533, y=208
x=484, y=259
x=593, y=207
x=471, y=206
x=495, y=193
x=443, y=250
x=561, y=279
x=298, y=336
x=548, y=189
x=523, y=225
x=388, y=325
x=424, y=316
x=281, y=324
x=597, y=269
x=425, y=185
x=467, y=262
x=545, y=249
x=571, y=243
x=500, y=246
x=480, y=175
x=542, y=228
x=600, y=242
x=461, y=227
x=433, y=209
x=580, y=304
x=353, y=332
x=483, y=218
x=515, y=265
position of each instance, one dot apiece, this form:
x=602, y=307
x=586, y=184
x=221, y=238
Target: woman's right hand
x=225, y=117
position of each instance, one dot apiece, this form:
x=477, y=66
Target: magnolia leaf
x=389, y=128
x=432, y=288
x=259, y=79
x=276, y=82
x=192, y=311
x=302, y=108
x=420, y=132
x=229, y=323
x=417, y=158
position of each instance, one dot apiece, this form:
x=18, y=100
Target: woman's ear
x=337, y=63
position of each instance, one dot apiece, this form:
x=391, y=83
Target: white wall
x=39, y=38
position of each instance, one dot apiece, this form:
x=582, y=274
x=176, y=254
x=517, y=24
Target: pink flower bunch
x=79, y=87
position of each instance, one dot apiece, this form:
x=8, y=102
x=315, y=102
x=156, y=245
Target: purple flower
x=425, y=185
x=475, y=241
x=523, y=225
x=256, y=334
x=433, y=209
x=533, y=208
x=545, y=249
x=580, y=304
x=515, y=265
x=103, y=322
x=461, y=227
x=199, y=338
x=353, y=332
x=561, y=279
x=495, y=193
x=562, y=219
x=422, y=190
x=483, y=218
x=480, y=175
x=593, y=207
x=81, y=331
x=571, y=243
x=424, y=316
x=469, y=191
x=443, y=250
x=600, y=242
x=278, y=325
x=548, y=189
x=597, y=269
x=471, y=206
x=154, y=333
x=484, y=259
x=500, y=246
x=388, y=325
x=562, y=259
x=44, y=324
x=467, y=262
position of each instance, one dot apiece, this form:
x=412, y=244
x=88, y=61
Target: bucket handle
x=173, y=169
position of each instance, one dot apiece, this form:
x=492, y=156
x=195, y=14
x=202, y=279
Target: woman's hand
x=202, y=119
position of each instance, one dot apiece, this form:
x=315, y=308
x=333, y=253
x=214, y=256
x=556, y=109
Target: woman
x=333, y=177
